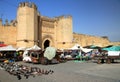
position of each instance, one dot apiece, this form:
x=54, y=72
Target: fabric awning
x=8, y=48
x=78, y=47
x=113, y=48
x=3, y=45
x=21, y=49
x=35, y=47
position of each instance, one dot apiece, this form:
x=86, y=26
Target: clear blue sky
x=91, y=17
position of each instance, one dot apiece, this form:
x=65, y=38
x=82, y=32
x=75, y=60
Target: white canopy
x=86, y=50
x=21, y=48
x=113, y=53
x=8, y=48
x=78, y=47
x=35, y=47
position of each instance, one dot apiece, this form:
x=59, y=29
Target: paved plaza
x=70, y=72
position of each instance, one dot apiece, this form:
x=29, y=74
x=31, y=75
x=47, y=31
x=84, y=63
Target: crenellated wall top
x=44, y=18
x=7, y=23
x=28, y=4
x=64, y=17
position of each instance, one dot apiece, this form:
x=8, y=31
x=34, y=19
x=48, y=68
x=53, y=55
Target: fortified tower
x=64, y=31
x=27, y=27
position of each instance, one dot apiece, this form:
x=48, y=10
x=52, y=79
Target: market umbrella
x=21, y=49
x=50, y=53
x=35, y=47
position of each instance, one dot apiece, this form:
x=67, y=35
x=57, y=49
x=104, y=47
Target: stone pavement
x=71, y=72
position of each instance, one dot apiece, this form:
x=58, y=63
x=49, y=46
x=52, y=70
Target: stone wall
x=85, y=40
x=47, y=31
x=36, y=29
x=64, y=31
x=27, y=27
x=115, y=43
x=8, y=35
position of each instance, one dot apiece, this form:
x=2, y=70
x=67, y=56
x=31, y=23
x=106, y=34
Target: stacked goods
x=23, y=70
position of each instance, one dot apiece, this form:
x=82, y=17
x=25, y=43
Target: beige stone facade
x=31, y=28
x=27, y=25
x=86, y=40
x=8, y=34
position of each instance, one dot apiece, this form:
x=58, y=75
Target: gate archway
x=46, y=44
x=47, y=41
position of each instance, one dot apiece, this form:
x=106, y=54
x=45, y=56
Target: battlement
x=28, y=4
x=44, y=18
x=64, y=17
x=7, y=23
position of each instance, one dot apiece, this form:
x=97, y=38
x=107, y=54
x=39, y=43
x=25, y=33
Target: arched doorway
x=46, y=44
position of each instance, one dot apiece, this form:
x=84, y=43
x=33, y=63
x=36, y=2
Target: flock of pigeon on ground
x=23, y=70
